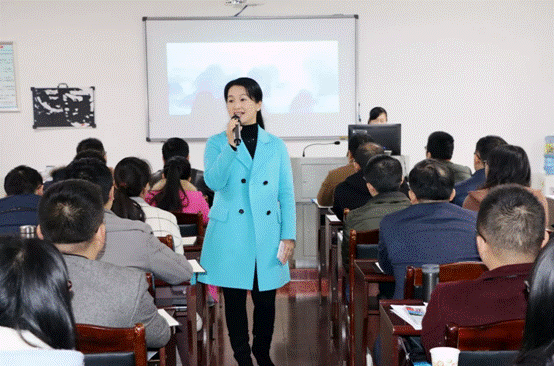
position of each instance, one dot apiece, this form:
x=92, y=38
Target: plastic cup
x=444, y=356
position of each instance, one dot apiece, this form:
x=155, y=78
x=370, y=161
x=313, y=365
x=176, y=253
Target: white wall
x=466, y=67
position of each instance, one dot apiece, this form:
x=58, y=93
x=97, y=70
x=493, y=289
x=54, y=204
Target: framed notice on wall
x=8, y=87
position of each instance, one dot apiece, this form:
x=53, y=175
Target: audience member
x=90, y=153
x=71, y=215
x=440, y=146
x=23, y=186
x=510, y=233
x=178, y=147
x=91, y=144
x=383, y=176
x=326, y=193
x=377, y=115
x=353, y=193
x=505, y=164
x=172, y=197
x=432, y=230
x=538, y=336
x=130, y=243
x=35, y=306
x=482, y=150
x=132, y=176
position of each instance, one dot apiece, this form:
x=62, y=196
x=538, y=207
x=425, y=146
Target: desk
x=322, y=250
x=186, y=335
x=332, y=226
x=364, y=310
x=168, y=354
x=392, y=329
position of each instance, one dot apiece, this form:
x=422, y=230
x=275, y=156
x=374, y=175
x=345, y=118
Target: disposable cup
x=444, y=356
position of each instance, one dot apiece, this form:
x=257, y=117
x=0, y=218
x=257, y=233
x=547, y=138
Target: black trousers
x=237, y=323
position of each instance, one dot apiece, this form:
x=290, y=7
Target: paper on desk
x=196, y=267
x=379, y=267
x=411, y=314
x=188, y=240
x=168, y=318
x=333, y=218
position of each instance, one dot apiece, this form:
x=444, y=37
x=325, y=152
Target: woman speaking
x=253, y=211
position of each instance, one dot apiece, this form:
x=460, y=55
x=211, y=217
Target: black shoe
x=262, y=355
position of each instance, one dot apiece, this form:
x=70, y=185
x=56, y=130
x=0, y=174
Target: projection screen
x=305, y=66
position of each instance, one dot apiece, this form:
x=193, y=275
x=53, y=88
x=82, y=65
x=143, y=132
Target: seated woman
x=131, y=177
x=173, y=197
x=35, y=306
x=505, y=164
x=538, y=336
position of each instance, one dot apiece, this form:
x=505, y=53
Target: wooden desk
x=364, y=311
x=322, y=250
x=168, y=354
x=186, y=336
x=392, y=329
x=332, y=226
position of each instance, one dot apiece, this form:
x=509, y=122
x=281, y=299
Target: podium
x=308, y=174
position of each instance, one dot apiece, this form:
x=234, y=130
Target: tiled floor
x=301, y=335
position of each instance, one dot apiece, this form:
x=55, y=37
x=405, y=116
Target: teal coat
x=253, y=210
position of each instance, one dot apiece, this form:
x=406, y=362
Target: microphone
x=237, y=131
x=319, y=143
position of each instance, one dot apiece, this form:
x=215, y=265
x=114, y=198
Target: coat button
x=243, y=180
x=268, y=212
x=241, y=211
x=265, y=183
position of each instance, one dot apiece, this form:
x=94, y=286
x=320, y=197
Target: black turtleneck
x=249, y=136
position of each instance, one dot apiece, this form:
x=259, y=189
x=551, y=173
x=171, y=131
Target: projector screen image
x=306, y=68
x=305, y=83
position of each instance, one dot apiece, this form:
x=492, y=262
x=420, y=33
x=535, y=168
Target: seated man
x=326, y=192
x=383, y=176
x=431, y=230
x=129, y=243
x=440, y=146
x=510, y=232
x=23, y=185
x=71, y=215
x=482, y=149
x=179, y=147
x=353, y=193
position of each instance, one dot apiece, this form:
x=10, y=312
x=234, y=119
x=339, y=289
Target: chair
x=499, y=336
x=190, y=224
x=487, y=358
x=460, y=271
x=127, y=346
x=362, y=244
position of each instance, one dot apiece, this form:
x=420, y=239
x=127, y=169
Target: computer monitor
x=387, y=135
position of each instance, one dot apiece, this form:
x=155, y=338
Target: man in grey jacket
x=130, y=243
x=71, y=215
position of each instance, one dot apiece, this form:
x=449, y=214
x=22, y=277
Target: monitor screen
x=387, y=135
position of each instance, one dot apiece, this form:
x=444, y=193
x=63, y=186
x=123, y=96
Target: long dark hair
x=34, y=284
x=508, y=164
x=253, y=90
x=175, y=169
x=539, y=321
x=131, y=176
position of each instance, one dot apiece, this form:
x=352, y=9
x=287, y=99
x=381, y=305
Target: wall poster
x=8, y=89
x=63, y=107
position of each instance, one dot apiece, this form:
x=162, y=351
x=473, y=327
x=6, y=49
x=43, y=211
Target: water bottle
x=28, y=231
x=430, y=278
